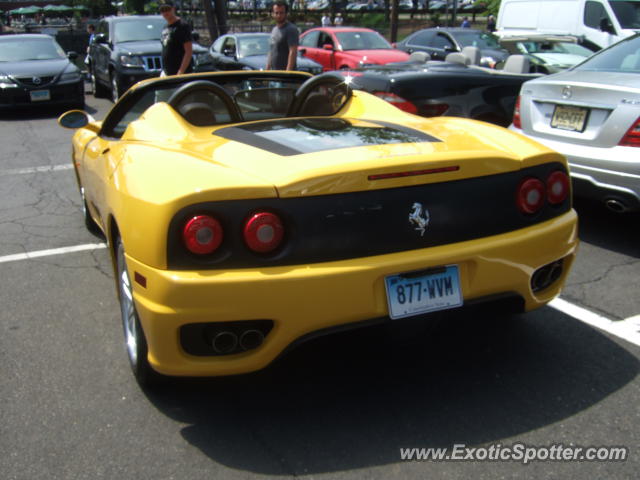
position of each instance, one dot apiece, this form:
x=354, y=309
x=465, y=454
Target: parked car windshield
x=139, y=30
x=623, y=56
x=627, y=12
x=23, y=49
x=477, y=39
x=362, y=41
x=254, y=45
x=554, y=47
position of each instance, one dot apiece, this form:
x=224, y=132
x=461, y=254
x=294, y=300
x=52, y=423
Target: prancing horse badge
x=419, y=217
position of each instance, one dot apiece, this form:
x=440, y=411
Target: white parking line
x=53, y=251
x=27, y=170
x=628, y=329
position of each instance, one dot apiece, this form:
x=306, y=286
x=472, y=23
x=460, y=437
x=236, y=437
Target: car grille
x=35, y=81
x=152, y=63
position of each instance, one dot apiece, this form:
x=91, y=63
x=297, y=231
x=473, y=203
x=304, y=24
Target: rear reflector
x=557, y=187
x=434, y=109
x=202, y=234
x=516, y=115
x=396, y=101
x=263, y=232
x=530, y=195
x=632, y=137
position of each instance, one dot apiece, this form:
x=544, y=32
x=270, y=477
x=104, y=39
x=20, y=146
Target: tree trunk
x=212, y=26
x=221, y=15
x=394, y=21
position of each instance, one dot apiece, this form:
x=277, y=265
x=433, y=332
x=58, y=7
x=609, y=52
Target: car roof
x=449, y=29
x=540, y=38
x=129, y=18
x=248, y=34
x=343, y=29
x=26, y=36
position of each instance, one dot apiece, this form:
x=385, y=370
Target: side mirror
x=449, y=48
x=75, y=119
x=302, y=51
x=71, y=55
x=607, y=26
x=100, y=38
x=327, y=46
x=196, y=36
x=229, y=52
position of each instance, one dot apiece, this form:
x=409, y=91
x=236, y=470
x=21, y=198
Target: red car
x=348, y=47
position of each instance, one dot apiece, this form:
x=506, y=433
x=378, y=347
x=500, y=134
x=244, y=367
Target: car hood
x=259, y=62
x=36, y=68
x=377, y=56
x=284, y=158
x=137, y=48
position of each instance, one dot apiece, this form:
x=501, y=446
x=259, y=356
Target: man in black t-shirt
x=177, y=42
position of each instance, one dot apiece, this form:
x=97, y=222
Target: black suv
x=128, y=49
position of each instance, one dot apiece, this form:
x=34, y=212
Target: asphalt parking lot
x=337, y=407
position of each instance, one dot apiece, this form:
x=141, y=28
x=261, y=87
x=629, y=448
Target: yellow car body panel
x=162, y=164
x=329, y=294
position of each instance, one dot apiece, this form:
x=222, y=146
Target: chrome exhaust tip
x=250, y=339
x=224, y=342
x=616, y=205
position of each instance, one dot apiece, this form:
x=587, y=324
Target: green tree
x=492, y=6
x=134, y=6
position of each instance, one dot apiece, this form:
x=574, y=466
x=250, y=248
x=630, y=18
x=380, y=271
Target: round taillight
x=202, y=234
x=530, y=196
x=263, y=232
x=557, y=187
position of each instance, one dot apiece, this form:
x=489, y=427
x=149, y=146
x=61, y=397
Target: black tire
x=99, y=90
x=89, y=222
x=134, y=340
x=116, y=89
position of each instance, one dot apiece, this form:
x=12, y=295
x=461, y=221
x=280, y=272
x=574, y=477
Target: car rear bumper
x=304, y=299
x=602, y=174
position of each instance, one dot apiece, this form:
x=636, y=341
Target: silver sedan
x=591, y=114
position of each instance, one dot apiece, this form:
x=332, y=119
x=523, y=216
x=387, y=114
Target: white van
x=598, y=22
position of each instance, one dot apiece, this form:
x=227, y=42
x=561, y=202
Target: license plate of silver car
x=415, y=293
x=567, y=117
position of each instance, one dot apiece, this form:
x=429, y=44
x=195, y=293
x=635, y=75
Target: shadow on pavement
x=619, y=232
x=352, y=400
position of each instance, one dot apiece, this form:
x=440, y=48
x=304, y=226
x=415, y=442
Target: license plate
x=566, y=117
x=415, y=293
x=40, y=95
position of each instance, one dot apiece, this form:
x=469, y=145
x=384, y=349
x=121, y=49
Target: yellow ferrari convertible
x=247, y=211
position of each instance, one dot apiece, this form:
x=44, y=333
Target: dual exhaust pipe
x=226, y=342
x=616, y=205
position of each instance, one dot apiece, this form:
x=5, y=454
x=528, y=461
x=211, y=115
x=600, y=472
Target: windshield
x=21, y=49
x=254, y=45
x=553, y=47
x=362, y=41
x=477, y=39
x=627, y=12
x=135, y=31
x=623, y=56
